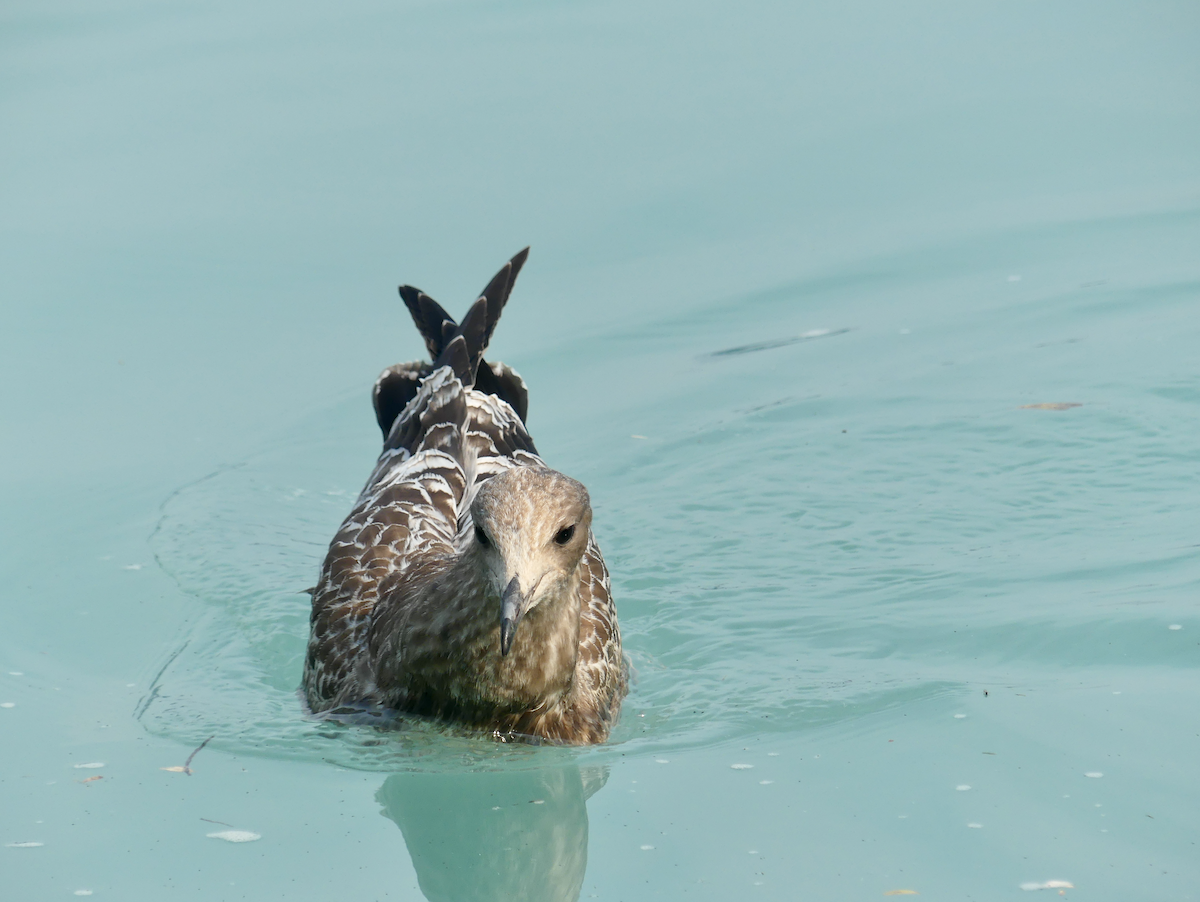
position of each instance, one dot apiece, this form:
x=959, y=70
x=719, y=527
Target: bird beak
x=512, y=605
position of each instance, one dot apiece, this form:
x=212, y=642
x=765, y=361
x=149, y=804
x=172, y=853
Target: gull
x=466, y=584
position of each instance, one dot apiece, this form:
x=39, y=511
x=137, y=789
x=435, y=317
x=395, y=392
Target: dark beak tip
x=507, y=627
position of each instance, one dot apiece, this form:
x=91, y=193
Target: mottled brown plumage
x=466, y=583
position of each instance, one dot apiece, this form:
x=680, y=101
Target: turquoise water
x=811, y=289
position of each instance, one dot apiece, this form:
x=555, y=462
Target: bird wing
x=600, y=665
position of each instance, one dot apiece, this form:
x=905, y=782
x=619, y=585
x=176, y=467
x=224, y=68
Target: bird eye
x=564, y=535
x=481, y=537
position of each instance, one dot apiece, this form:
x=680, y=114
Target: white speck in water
x=495, y=808
x=83, y=892
x=539, y=801
x=1049, y=884
x=1118, y=692
x=8, y=704
x=90, y=765
x=902, y=816
x=132, y=567
x=742, y=766
x=235, y=835
x=815, y=333
x=1094, y=774
x=959, y=716
x=16, y=673
x=963, y=787
x=772, y=754
x=765, y=782
x=1175, y=626
x=975, y=826
x=752, y=851
x=647, y=848
x=758, y=883
x=661, y=761
x=1014, y=278
x=1098, y=805
x=25, y=845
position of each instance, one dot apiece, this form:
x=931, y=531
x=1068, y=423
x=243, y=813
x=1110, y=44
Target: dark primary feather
x=398, y=385
x=429, y=317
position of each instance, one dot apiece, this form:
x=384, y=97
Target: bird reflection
x=504, y=835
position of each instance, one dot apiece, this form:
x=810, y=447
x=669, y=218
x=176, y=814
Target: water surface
x=871, y=331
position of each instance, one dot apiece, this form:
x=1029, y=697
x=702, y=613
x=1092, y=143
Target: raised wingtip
x=518, y=259
x=438, y=328
x=429, y=317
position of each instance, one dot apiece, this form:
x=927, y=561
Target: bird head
x=531, y=528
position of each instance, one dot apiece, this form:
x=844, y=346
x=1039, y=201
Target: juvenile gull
x=466, y=583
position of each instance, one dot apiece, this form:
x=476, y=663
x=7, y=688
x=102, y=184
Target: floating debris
x=90, y=779
x=25, y=845
x=975, y=826
x=779, y=343
x=959, y=716
x=662, y=761
x=902, y=892
x=1051, y=405
x=83, y=892
x=186, y=767
x=635, y=435
x=963, y=787
x=1094, y=774
x=1175, y=626
x=89, y=765
x=235, y=835
x=1049, y=884
x=742, y=766
x=8, y=704
x=647, y=848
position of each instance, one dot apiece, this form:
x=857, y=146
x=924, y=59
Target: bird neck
x=540, y=666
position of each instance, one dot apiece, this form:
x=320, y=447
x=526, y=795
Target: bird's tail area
x=440, y=330
x=461, y=347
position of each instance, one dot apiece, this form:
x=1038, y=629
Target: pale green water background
x=854, y=575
